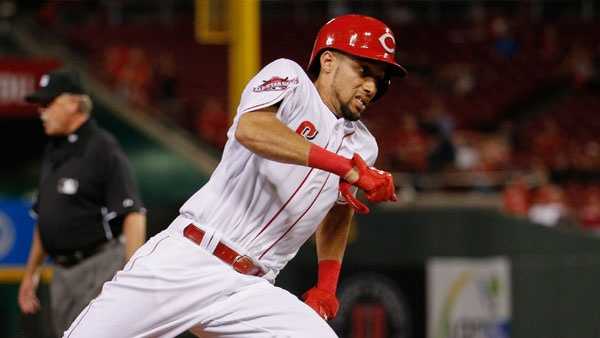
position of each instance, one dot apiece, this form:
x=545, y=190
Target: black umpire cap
x=54, y=84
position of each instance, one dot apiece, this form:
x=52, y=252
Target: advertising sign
x=468, y=298
x=372, y=306
x=16, y=228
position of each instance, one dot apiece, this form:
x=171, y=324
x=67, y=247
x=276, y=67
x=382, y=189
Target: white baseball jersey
x=268, y=208
x=262, y=208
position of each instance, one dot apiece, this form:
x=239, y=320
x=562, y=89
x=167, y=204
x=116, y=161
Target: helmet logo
x=353, y=39
x=387, y=42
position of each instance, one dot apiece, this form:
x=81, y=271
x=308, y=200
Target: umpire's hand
x=28, y=301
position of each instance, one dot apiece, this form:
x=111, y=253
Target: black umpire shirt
x=86, y=189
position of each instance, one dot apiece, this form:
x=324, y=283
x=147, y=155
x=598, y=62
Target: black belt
x=78, y=256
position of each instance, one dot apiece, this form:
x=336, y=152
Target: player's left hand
x=385, y=192
x=377, y=184
x=323, y=302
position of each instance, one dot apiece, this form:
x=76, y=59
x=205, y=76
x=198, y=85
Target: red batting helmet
x=361, y=36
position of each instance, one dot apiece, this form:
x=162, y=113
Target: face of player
x=57, y=116
x=355, y=84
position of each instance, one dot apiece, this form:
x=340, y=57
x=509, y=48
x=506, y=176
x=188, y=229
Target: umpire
x=87, y=203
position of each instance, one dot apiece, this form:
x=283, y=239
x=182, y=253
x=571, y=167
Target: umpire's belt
x=240, y=263
x=76, y=257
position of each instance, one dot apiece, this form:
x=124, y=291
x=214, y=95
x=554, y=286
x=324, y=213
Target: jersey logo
x=387, y=42
x=68, y=186
x=275, y=83
x=307, y=129
x=44, y=80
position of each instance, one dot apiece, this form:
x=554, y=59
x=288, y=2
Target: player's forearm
x=134, y=229
x=332, y=234
x=332, y=237
x=37, y=254
x=263, y=134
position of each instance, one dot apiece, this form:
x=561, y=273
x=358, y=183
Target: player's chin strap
x=321, y=298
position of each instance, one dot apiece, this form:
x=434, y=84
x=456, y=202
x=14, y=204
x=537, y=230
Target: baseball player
x=295, y=155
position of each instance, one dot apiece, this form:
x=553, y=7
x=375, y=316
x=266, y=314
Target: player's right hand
x=354, y=202
x=377, y=184
x=322, y=301
x=28, y=301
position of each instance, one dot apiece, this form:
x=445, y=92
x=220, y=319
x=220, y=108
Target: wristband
x=329, y=273
x=326, y=160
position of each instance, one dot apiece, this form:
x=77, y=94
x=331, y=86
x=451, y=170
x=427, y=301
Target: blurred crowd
x=148, y=68
x=151, y=83
x=572, y=205
x=491, y=92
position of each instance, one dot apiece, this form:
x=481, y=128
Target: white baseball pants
x=172, y=285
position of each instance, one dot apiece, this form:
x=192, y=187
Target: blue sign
x=16, y=231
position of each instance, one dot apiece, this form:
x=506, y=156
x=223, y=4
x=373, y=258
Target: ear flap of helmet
x=315, y=65
x=382, y=86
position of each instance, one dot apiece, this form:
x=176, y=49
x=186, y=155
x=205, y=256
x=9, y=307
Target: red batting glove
x=323, y=302
x=378, y=184
x=357, y=205
x=321, y=298
x=384, y=193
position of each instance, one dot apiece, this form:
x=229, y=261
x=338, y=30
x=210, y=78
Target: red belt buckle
x=244, y=265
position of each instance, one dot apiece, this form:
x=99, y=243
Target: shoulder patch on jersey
x=307, y=129
x=275, y=83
